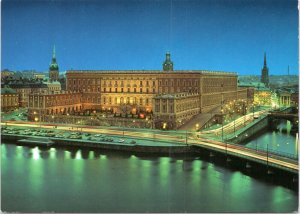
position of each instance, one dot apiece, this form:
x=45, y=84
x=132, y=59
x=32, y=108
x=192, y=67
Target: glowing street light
x=164, y=125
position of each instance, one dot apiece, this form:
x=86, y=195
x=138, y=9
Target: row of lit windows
x=178, y=82
x=116, y=83
x=126, y=100
x=128, y=90
x=178, y=89
x=93, y=82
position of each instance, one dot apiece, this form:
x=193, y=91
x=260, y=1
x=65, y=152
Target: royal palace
x=170, y=96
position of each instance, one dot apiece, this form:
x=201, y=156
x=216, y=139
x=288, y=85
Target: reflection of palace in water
x=175, y=95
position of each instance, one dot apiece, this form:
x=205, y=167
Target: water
x=60, y=180
x=279, y=141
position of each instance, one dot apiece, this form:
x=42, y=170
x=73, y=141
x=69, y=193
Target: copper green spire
x=265, y=60
x=168, y=64
x=53, y=65
x=53, y=55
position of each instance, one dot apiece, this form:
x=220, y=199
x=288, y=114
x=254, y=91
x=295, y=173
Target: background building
x=9, y=99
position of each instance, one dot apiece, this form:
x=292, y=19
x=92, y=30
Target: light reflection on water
x=118, y=182
x=278, y=141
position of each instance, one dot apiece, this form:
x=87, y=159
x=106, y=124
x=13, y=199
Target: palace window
x=164, y=109
x=157, y=107
x=171, y=109
x=141, y=90
x=128, y=89
x=122, y=90
x=116, y=89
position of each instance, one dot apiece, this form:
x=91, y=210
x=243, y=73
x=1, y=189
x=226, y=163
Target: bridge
x=268, y=158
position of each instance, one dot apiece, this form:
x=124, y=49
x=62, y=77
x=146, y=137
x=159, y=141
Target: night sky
x=224, y=35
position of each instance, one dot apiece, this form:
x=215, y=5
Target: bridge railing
x=279, y=153
x=270, y=151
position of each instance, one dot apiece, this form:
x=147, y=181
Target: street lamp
x=186, y=138
x=197, y=127
x=267, y=155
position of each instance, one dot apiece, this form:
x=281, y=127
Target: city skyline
x=135, y=35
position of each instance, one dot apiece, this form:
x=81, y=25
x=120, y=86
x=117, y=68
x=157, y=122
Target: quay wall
x=253, y=129
x=105, y=145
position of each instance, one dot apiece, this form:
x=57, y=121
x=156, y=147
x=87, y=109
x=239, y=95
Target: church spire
x=53, y=68
x=265, y=72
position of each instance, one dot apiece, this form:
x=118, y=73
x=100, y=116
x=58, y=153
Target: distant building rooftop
x=7, y=90
x=257, y=85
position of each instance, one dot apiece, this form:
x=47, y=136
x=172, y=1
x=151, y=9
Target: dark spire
x=265, y=72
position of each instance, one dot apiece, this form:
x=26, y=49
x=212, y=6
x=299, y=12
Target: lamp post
x=267, y=155
x=233, y=123
x=186, y=139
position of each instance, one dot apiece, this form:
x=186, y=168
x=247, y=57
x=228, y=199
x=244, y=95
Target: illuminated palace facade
x=152, y=91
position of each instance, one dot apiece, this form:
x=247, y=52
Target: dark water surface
x=280, y=141
x=59, y=180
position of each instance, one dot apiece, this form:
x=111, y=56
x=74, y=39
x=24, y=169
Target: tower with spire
x=265, y=73
x=53, y=68
x=168, y=64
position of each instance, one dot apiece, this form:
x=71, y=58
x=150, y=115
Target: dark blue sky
x=228, y=35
